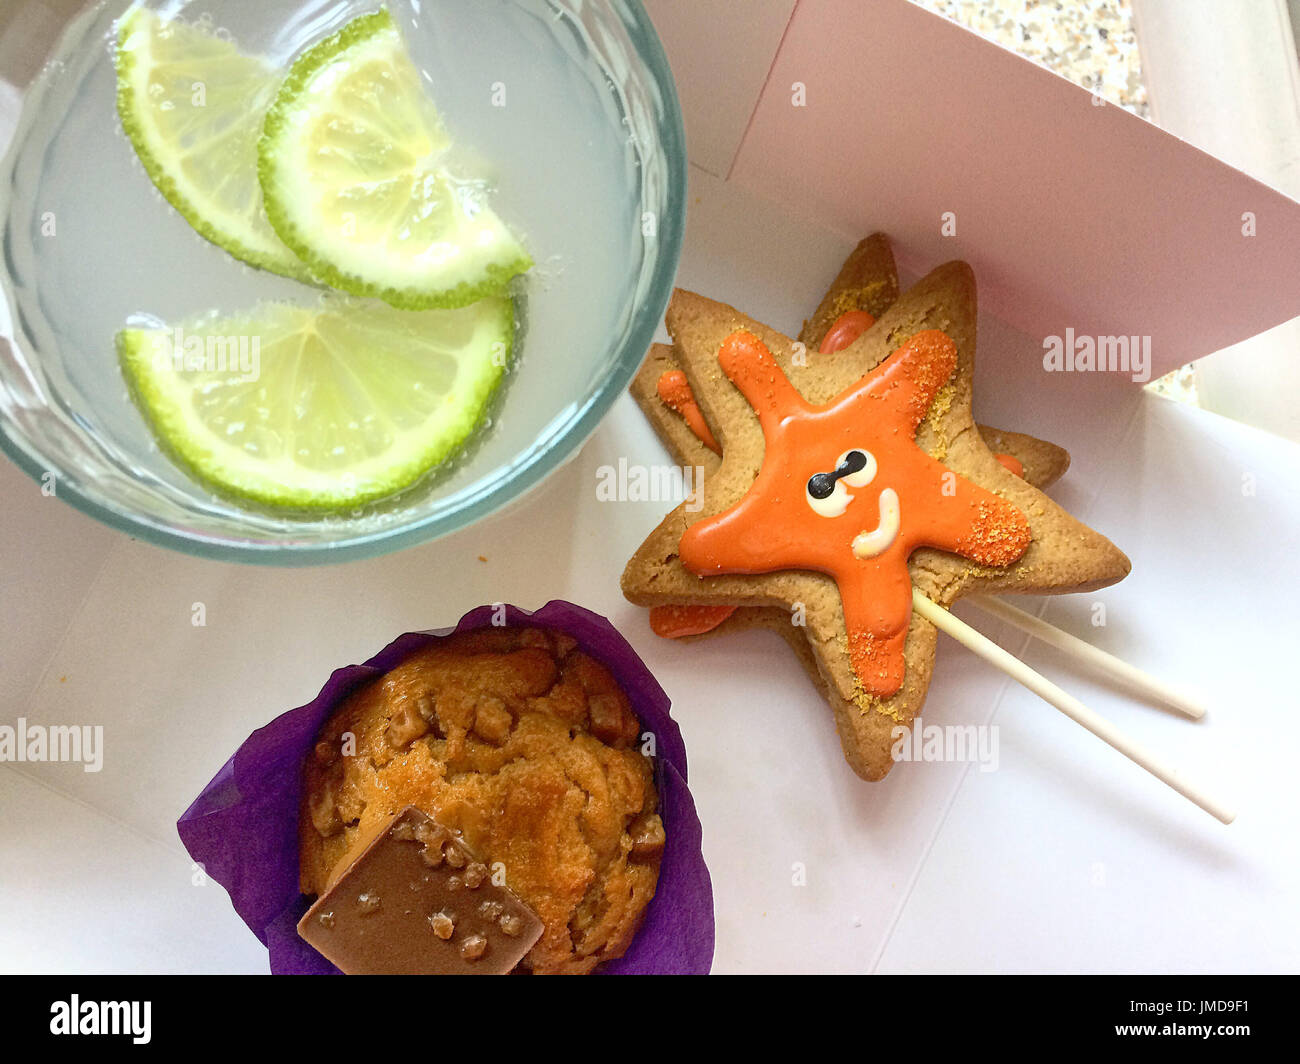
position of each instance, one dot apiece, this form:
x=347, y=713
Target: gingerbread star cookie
x=845, y=482
x=866, y=286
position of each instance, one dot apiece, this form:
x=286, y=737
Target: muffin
x=245, y=828
x=527, y=749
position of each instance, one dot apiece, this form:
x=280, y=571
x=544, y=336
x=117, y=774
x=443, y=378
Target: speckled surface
x=1091, y=42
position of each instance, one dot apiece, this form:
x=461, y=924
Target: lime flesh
x=193, y=106
x=318, y=408
x=350, y=165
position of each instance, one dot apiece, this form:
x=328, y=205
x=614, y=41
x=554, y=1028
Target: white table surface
x=1067, y=858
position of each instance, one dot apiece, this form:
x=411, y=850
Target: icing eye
x=827, y=496
x=820, y=486
x=856, y=468
x=828, y=493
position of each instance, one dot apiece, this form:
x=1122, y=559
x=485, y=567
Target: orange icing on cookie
x=673, y=622
x=675, y=393
x=1012, y=463
x=847, y=328
x=845, y=490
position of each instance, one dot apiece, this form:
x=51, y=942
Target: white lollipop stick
x=1070, y=706
x=1103, y=662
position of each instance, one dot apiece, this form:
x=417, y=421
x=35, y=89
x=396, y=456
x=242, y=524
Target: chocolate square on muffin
x=417, y=901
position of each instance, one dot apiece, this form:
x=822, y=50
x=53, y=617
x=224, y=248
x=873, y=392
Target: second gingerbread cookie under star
x=1002, y=534
x=865, y=286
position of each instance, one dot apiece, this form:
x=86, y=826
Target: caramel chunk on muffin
x=529, y=750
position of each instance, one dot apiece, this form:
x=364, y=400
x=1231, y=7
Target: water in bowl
x=89, y=244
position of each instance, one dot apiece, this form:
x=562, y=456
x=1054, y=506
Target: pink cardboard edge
x=1073, y=215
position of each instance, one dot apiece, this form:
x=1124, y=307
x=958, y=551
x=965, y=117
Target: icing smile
x=881, y=538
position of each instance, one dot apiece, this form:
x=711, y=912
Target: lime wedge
x=318, y=408
x=352, y=179
x=192, y=105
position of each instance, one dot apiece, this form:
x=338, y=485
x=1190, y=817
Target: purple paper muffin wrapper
x=243, y=827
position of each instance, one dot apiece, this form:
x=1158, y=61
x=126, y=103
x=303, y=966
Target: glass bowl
x=589, y=166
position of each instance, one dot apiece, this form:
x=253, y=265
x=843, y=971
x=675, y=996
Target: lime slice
x=351, y=175
x=318, y=408
x=192, y=105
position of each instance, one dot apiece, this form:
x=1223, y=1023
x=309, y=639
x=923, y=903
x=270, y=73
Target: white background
x=1067, y=858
